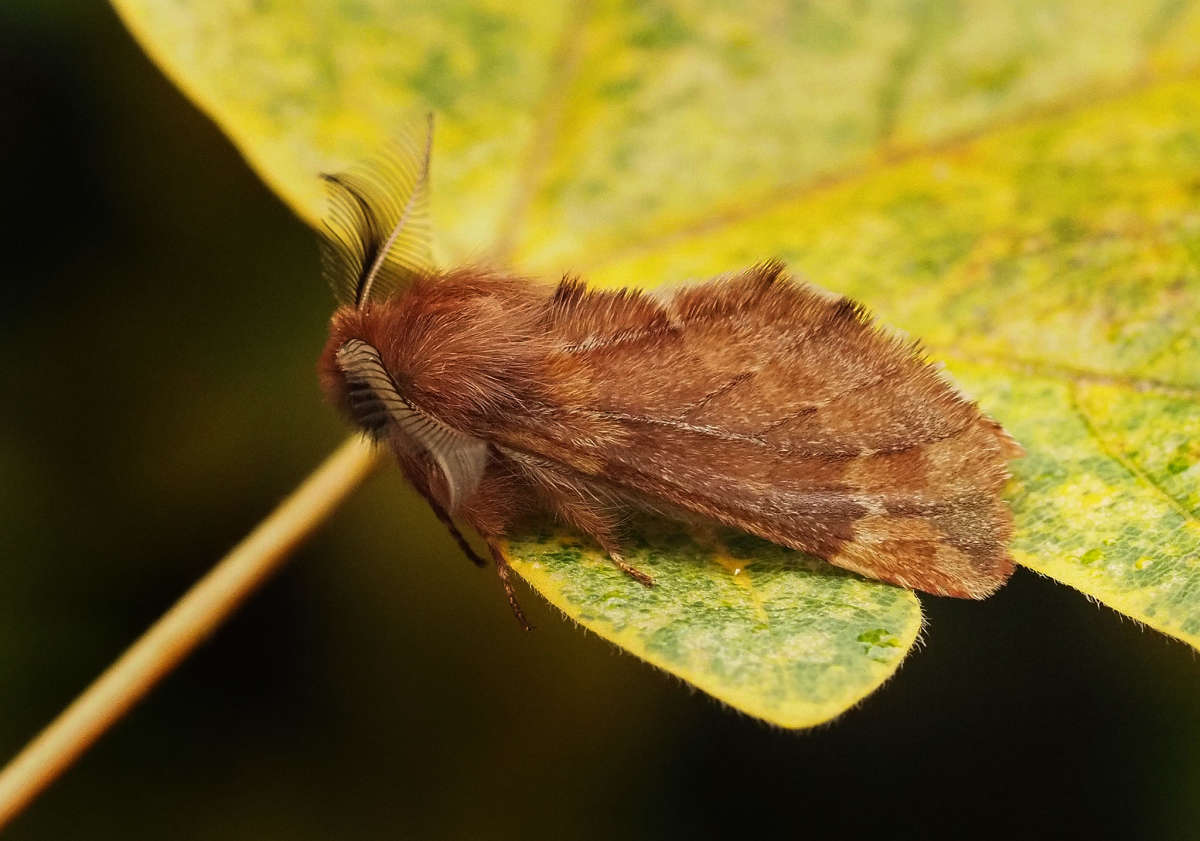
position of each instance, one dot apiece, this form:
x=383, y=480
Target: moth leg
x=489, y=511
x=630, y=570
x=504, y=571
x=444, y=516
x=600, y=529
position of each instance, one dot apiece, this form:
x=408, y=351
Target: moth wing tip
x=1010, y=447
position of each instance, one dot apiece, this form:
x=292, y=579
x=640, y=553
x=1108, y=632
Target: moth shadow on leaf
x=674, y=553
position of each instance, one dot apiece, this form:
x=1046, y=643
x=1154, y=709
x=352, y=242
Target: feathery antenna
x=368, y=280
x=377, y=232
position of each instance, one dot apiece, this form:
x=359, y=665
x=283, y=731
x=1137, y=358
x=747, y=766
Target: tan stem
x=182, y=628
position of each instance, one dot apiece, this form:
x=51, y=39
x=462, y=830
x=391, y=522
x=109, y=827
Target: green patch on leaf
x=774, y=633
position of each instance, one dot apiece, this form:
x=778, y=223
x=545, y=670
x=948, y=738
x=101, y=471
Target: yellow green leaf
x=1017, y=183
x=770, y=632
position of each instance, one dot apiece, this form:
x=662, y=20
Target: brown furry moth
x=752, y=400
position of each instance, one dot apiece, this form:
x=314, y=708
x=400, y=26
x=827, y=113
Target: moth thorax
x=371, y=393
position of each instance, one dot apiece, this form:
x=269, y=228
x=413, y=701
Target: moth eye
x=367, y=410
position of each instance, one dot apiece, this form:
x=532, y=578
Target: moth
x=752, y=400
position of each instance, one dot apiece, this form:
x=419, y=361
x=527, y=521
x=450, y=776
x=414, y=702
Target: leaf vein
x=1128, y=465
x=1069, y=373
x=563, y=71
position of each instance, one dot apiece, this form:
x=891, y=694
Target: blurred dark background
x=163, y=316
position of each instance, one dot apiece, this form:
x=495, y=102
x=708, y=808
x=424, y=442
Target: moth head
x=369, y=395
x=356, y=380
x=376, y=243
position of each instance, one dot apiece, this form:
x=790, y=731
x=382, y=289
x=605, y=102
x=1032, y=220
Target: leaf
x=1016, y=184
x=773, y=633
